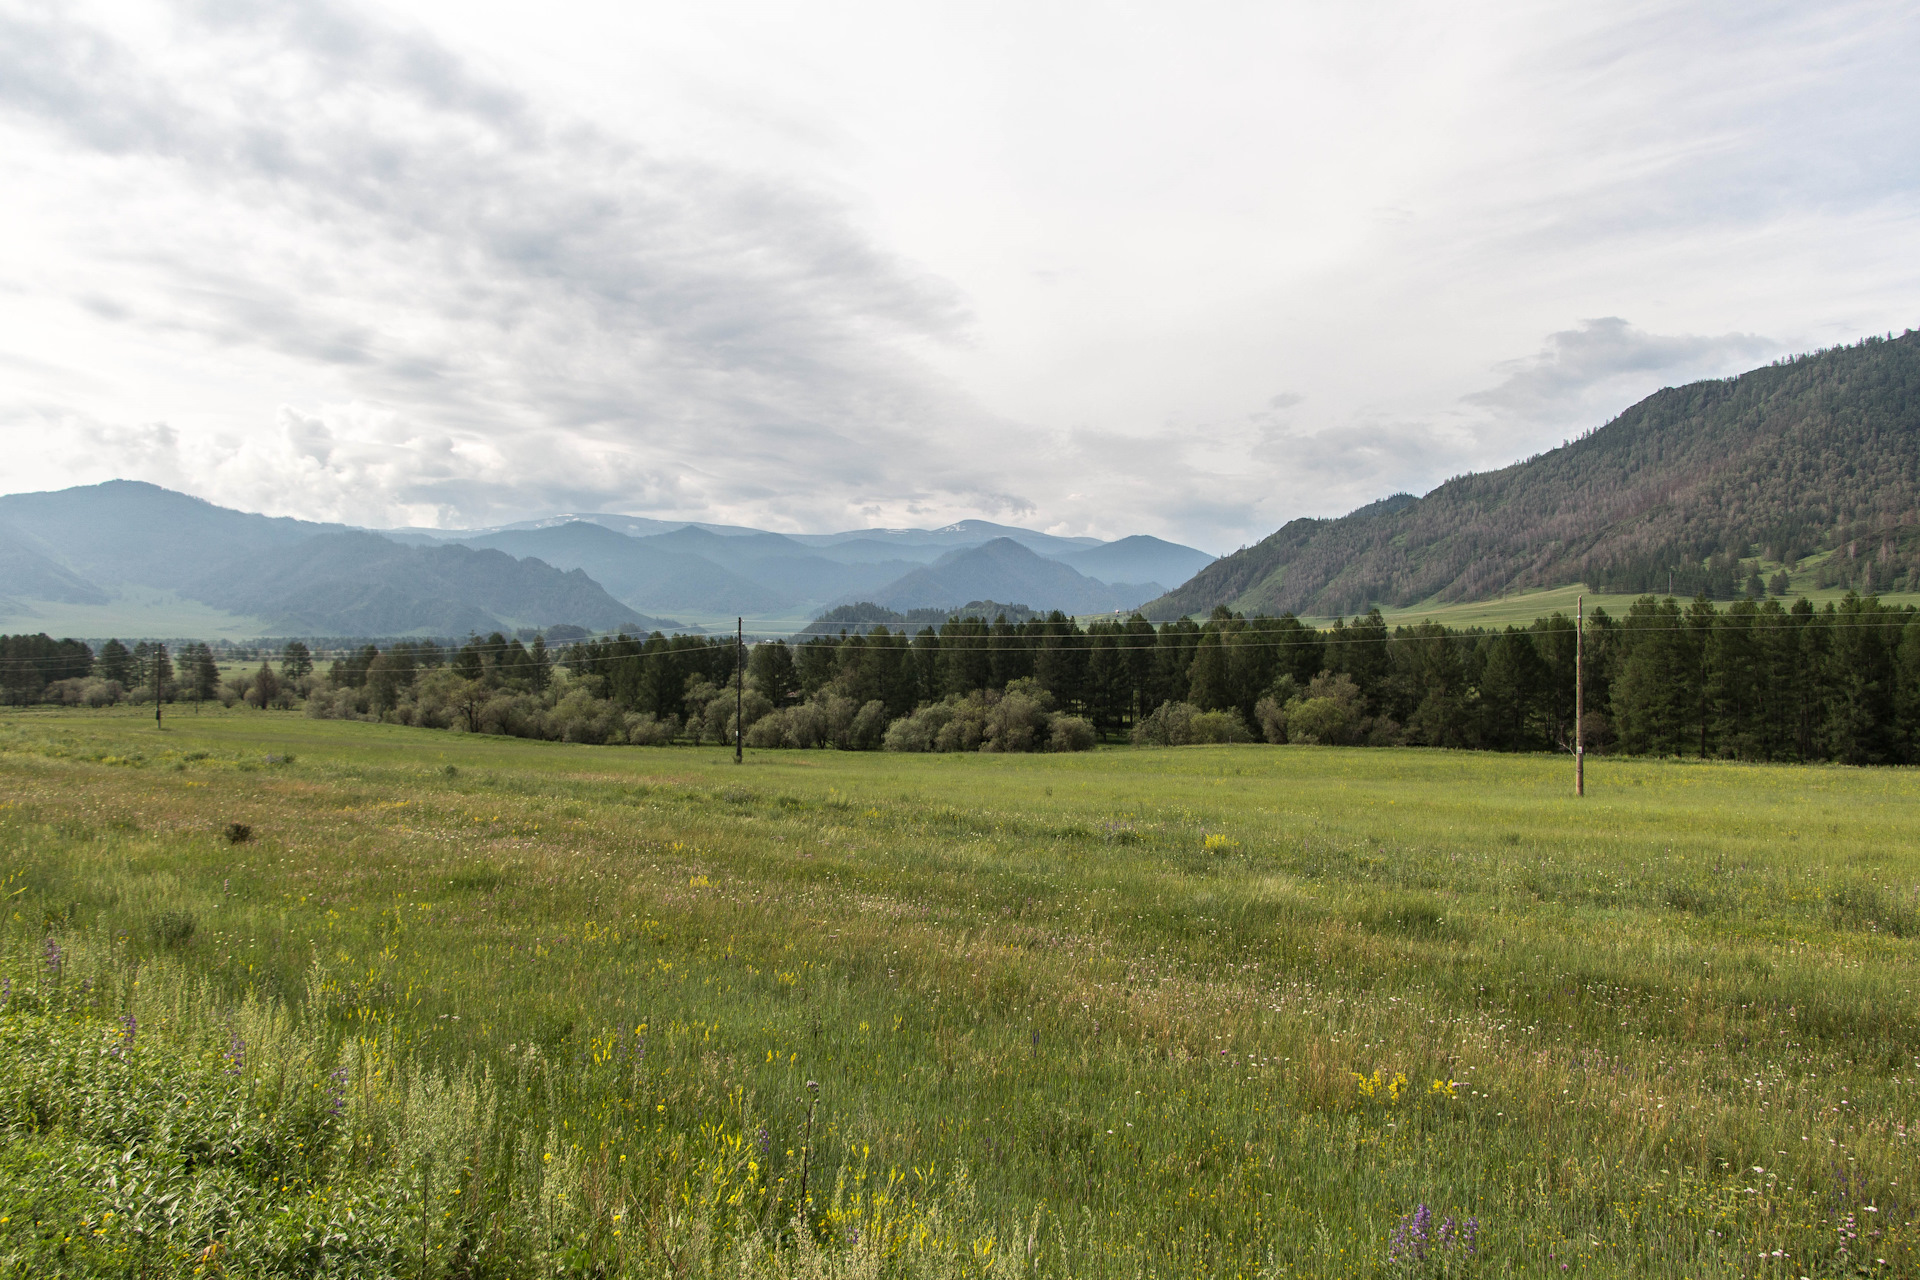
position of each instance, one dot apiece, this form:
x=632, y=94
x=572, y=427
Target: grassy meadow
x=457, y=1006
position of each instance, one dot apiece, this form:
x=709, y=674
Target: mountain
x=127, y=531
x=360, y=584
x=1140, y=558
x=641, y=572
x=1817, y=454
x=865, y=616
x=693, y=569
x=82, y=545
x=114, y=542
x=1004, y=569
x=29, y=570
x=964, y=533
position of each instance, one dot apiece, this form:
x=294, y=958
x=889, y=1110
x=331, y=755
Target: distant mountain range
x=706, y=569
x=1696, y=486
x=86, y=545
x=92, y=545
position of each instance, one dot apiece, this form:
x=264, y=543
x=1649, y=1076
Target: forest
x=1757, y=679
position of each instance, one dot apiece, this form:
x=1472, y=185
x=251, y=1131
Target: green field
x=132, y=614
x=1522, y=608
x=1204, y=1011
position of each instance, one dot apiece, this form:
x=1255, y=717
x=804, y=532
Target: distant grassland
x=1203, y=1011
x=1522, y=608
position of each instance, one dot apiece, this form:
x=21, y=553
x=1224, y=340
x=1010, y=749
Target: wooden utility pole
x=739, y=686
x=1580, y=695
x=153, y=660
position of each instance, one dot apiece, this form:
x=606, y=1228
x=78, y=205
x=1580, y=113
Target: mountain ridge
x=1702, y=482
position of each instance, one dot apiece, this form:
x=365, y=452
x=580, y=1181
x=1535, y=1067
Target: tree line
x=1755, y=680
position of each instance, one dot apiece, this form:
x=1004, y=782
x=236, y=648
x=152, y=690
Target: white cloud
x=1603, y=363
x=1115, y=269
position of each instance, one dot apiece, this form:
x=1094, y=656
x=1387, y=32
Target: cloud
x=539, y=313
x=1605, y=359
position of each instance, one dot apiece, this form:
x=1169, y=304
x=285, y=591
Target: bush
x=1219, y=726
x=1072, y=733
x=646, y=730
x=921, y=730
x=866, y=730
x=1331, y=713
x=1181, y=724
x=1272, y=717
x=1169, y=725
x=1021, y=719
x=90, y=691
x=580, y=717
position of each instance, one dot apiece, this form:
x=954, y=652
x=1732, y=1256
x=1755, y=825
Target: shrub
x=646, y=730
x=1169, y=725
x=921, y=730
x=1072, y=733
x=1331, y=713
x=1218, y=726
x=1180, y=724
x=866, y=730
x=1272, y=717
x=580, y=717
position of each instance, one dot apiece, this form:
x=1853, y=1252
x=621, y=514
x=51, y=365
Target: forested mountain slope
x=1819, y=453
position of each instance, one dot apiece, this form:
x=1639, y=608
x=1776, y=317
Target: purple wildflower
x=54, y=956
x=764, y=1141
x=337, y=1092
x=236, y=1051
x=1416, y=1240
x=1411, y=1238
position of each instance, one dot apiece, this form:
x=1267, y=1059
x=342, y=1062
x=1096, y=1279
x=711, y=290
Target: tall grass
x=1197, y=1011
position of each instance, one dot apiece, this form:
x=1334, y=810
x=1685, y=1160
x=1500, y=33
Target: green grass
x=1130, y=1012
x=130, y=615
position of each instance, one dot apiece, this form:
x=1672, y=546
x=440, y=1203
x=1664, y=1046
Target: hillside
x=360, y=584
x=1699, y=485
x=1005, y=569
x=124, y=541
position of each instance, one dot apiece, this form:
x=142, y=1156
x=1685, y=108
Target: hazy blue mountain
x=1140, y=558
x=645, y=573
x=1005, y=570
x=29, y=571
x=965, y=533
x=865, y=615
x=96, y=542
x=360, y=584
x=80, y=545
x=717, y=568
x=127, y=531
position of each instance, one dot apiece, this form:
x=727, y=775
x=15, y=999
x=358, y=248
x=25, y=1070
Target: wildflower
x=1410, y=1239
x=54, y=956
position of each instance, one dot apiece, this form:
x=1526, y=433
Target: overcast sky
x=1190, y=270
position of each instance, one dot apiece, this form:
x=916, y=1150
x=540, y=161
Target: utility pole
x=1580, y=695
x=154, y=660
x=739, y=685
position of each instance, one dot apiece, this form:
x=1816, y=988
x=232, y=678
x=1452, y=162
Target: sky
x=1102, y=269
